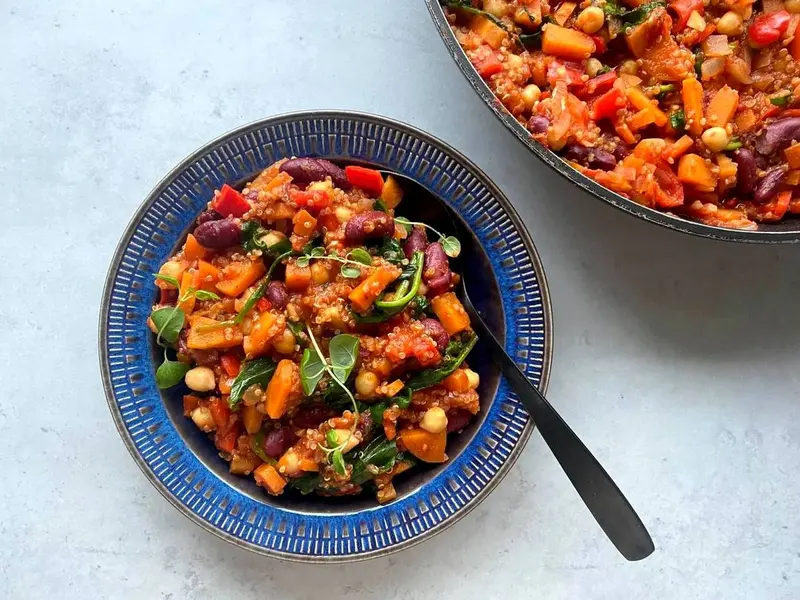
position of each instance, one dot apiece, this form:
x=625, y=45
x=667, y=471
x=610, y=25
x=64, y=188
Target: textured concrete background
x=676, y=358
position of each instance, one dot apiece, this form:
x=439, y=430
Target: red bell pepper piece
x=683, y=9
x=600, y=45
x=768, y=29
x=570, y=73
x=486, y=62
x=607, y=105
x=311, y=199
x=669, y=193
x=601, y=84
x=231, y=363
x=368, y=180
x=263, y=304
x=220, y=412
x=225, y=439
x=228, y=202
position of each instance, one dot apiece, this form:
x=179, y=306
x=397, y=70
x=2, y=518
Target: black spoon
x=602, y=497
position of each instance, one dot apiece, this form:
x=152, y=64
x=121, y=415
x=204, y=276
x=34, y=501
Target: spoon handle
x=602, y=497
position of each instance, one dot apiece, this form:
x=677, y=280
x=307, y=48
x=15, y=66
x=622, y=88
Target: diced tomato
x=220, y=412
x=670, y=189
x=231, y=364
x=263, y=304
x=225, y=439
x=775, y=209
x=599, y=44
x=228, y=202
x=311, y=199
x=607, y=105
x=683, y=9
x=601, y=83
x=368, y=180
x=486, y=62
x=768, y=29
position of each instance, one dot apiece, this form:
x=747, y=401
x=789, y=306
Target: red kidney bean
x=208, y=215
x=777, y=135
x=416, y=241
x=457, y=419
x=310, y=417
x=591, y=157
x=370, y=224
x=436, y=272
x=746, y=173
x=218, y=234
x=278, y=441
x=538, y=124
x=769, y=185
x=309, y=170
x=434, y=329
x=277, y=294
x=620, y=152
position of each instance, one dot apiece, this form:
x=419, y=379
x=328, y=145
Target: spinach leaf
x=254, y=372
x=634, y=16
x=379, y=453
x=376, y=411
x=467, y=7
x=781, y=100
x=253, y=239
x=454, y=355
x=408, y=288
x=343, y=350
x=170, y=373
x=261, y=289
x=257, y=446
x=420, y=305
x=403, y=397
x=380, y=205
x=699, y=57
x=311, y=370
x=305, y=484
x=169, y=322
x=391, y=251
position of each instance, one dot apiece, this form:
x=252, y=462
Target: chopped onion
x=696, y=22
x=712, y=67
x=716, y=45
x=738, y=69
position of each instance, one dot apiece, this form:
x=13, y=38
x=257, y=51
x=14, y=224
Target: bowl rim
x=663, y=219
x=127, y=234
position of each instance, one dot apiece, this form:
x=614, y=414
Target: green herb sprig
x=450, y=244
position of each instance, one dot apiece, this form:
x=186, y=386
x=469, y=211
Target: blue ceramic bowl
x=181, y=462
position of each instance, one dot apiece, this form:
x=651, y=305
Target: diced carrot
x=793, y=177
x=190, y=402
x=206, y=334
x=641, y=119
x=793, y=156
x=722, y=107
x=650, y=149
x=566, y=43
x=448, y=308
x=209, y=276
x=257, y=342
x=678, y=148
x=267, y=175
x=304, y=223
x=277, y=181
x=692, y=93
x=225, y=384
x=746, y=120
x=393, y=388
x=237, y=277
x=297, y=278
x=281, y=388
x=564, y=12
x=693, y=170
x=392, y=193
x=308, y=465
x=368, y=290
x=457, y=381
x=252, y=419
x=192, y=250
x=491, y=33
x=230, y=364
x=190, y=280
x=426, y=446
x=268, y=477
x=640, y=100
x=624, y=132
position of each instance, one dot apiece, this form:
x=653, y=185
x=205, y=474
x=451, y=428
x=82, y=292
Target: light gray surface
x=676, y=358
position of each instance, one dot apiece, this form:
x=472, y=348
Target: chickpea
x=514, y=62
x=434, y=420
x=203, y=418
x=496, y=8
x=382, y=366
x=731, y=23
x=715, y=139
x=320, y=273
x=200, y=379
x=591, y=19
x=629, y=66
x=366, y=383
x=346, y=437
x=531, y=94
x=473, y=378
x=271, y=238
x=285, y=343
x=593, y=67
x=793, y=6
